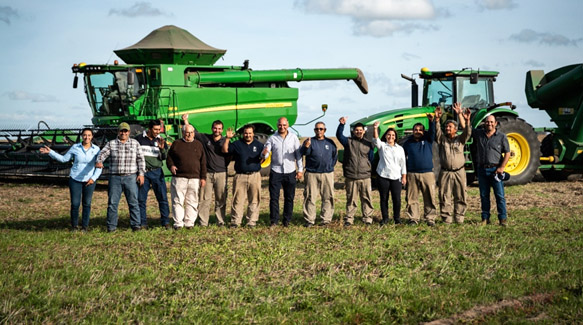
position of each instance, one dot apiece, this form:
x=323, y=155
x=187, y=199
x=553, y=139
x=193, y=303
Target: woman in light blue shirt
x=392, y=171
x=83, y=176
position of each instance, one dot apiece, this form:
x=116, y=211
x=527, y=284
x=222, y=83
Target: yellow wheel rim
x=519, y=154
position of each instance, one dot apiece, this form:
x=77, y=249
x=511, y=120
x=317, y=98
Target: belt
x=152, y=169
x=127, y=174
x=249, y=173
x=488, y=165
x=452, y=170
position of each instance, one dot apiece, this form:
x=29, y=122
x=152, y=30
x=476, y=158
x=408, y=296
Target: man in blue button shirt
x=246, y=153
x=321, y=156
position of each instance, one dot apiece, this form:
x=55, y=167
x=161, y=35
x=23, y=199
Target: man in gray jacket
x=358, y=155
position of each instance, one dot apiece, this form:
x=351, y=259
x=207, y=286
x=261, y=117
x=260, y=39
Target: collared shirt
x=420, y=152
x=285, y=153
x=126, y=157
x=83, y=167
x=490, y=149
x=216, y=160
x=451, y=150
x=152, y=153
x=247, y=156
x=392, y=162
x=321, y=156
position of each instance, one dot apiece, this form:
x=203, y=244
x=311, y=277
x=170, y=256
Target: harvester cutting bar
x=20, y=156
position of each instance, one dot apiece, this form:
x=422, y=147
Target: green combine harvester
x=167, y=74
x=475, y=90
x=560, y=94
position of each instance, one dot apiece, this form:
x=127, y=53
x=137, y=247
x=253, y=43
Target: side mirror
x=473, y=78
x=75, y=81
x=130, y=78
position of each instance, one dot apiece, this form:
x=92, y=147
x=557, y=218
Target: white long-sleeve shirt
x=392, y=163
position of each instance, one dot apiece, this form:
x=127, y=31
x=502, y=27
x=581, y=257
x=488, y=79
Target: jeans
x=155, y=180
x=276, y=182
x=129, y=186
x=80, y=193
x=485, y=181
x=394, y=187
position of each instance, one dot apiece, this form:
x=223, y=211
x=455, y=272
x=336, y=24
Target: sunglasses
x=124, y=131
x=319, y=129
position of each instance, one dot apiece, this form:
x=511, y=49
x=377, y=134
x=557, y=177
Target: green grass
x=394, y=274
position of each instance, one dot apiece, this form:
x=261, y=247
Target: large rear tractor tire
x=524, y=150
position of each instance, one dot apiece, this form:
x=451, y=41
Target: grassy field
x=531, y=271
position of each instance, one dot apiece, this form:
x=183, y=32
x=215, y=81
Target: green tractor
x=560, y=94
x=167, y=74
x=475, y=90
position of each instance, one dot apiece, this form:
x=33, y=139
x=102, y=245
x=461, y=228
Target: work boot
x=503, y=223
x=384, y=221
x=485, y=222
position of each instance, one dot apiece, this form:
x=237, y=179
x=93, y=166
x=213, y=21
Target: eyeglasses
x=319, y=129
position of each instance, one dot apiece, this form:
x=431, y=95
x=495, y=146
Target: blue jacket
x=420, y=153
x=321, y=156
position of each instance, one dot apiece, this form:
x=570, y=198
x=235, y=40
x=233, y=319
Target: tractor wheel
x=547, y=149
x=524, y=149
x=265, y=166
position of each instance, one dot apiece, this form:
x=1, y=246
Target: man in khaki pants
x=452, y=176
x=420, y=177
x=358, y=155
x=247, y=183
x=321, y=156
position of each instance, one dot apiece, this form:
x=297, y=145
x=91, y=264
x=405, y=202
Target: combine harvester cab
x=170, y=73
x=475, y=90
x=560, y=94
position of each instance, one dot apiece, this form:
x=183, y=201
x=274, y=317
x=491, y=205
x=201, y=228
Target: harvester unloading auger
x=167, y=74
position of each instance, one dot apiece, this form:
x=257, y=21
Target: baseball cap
x=123, y=126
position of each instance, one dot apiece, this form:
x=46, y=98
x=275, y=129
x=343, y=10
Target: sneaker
x=431, y=223
x=111, y=230
x=412, y=223
x=324, y=224
x=503, y=223
x=485, y=222
x=177, y=228
x=398, y=221
x=384, y=222
x=136, y=228
x=167, y=226
x=233, y=226
x=347, y=224
x=308, y=225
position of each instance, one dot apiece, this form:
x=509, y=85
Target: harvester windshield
x=109, y=93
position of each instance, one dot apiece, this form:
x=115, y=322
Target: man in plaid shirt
x=127, y=161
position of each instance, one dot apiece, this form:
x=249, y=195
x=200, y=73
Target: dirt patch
x=480, y=311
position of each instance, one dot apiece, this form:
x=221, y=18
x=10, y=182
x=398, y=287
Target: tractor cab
x=473, y=89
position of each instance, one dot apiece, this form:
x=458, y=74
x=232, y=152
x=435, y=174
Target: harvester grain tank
x=560, y=94
x=475, y=90
x=167, y=74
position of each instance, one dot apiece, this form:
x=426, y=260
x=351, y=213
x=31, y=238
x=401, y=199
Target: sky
x=384, y=38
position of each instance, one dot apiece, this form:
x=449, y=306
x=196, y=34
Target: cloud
x=535, y=64
x=7, y=13
x=375, y=17
x=26, y=96
x=139, y=9
x=531, y=36
x=496, y=4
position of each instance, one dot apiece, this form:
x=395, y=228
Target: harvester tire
x=547, y=150
x=524, y=149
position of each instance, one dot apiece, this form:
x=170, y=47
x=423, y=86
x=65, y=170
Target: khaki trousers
x=322, y=184
x=246, y=188
x=452, y=185
x=358, y=188
x=423, y=183
x=184, y=195
x=217, y=183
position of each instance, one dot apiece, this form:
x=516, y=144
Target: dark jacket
x=358, y=154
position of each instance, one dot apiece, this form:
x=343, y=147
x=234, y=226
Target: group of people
x=199, y=161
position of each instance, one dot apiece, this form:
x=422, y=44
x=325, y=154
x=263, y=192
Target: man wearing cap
x=154, y=149
x=127, y=168
x=493, y=153
x=452, y=176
